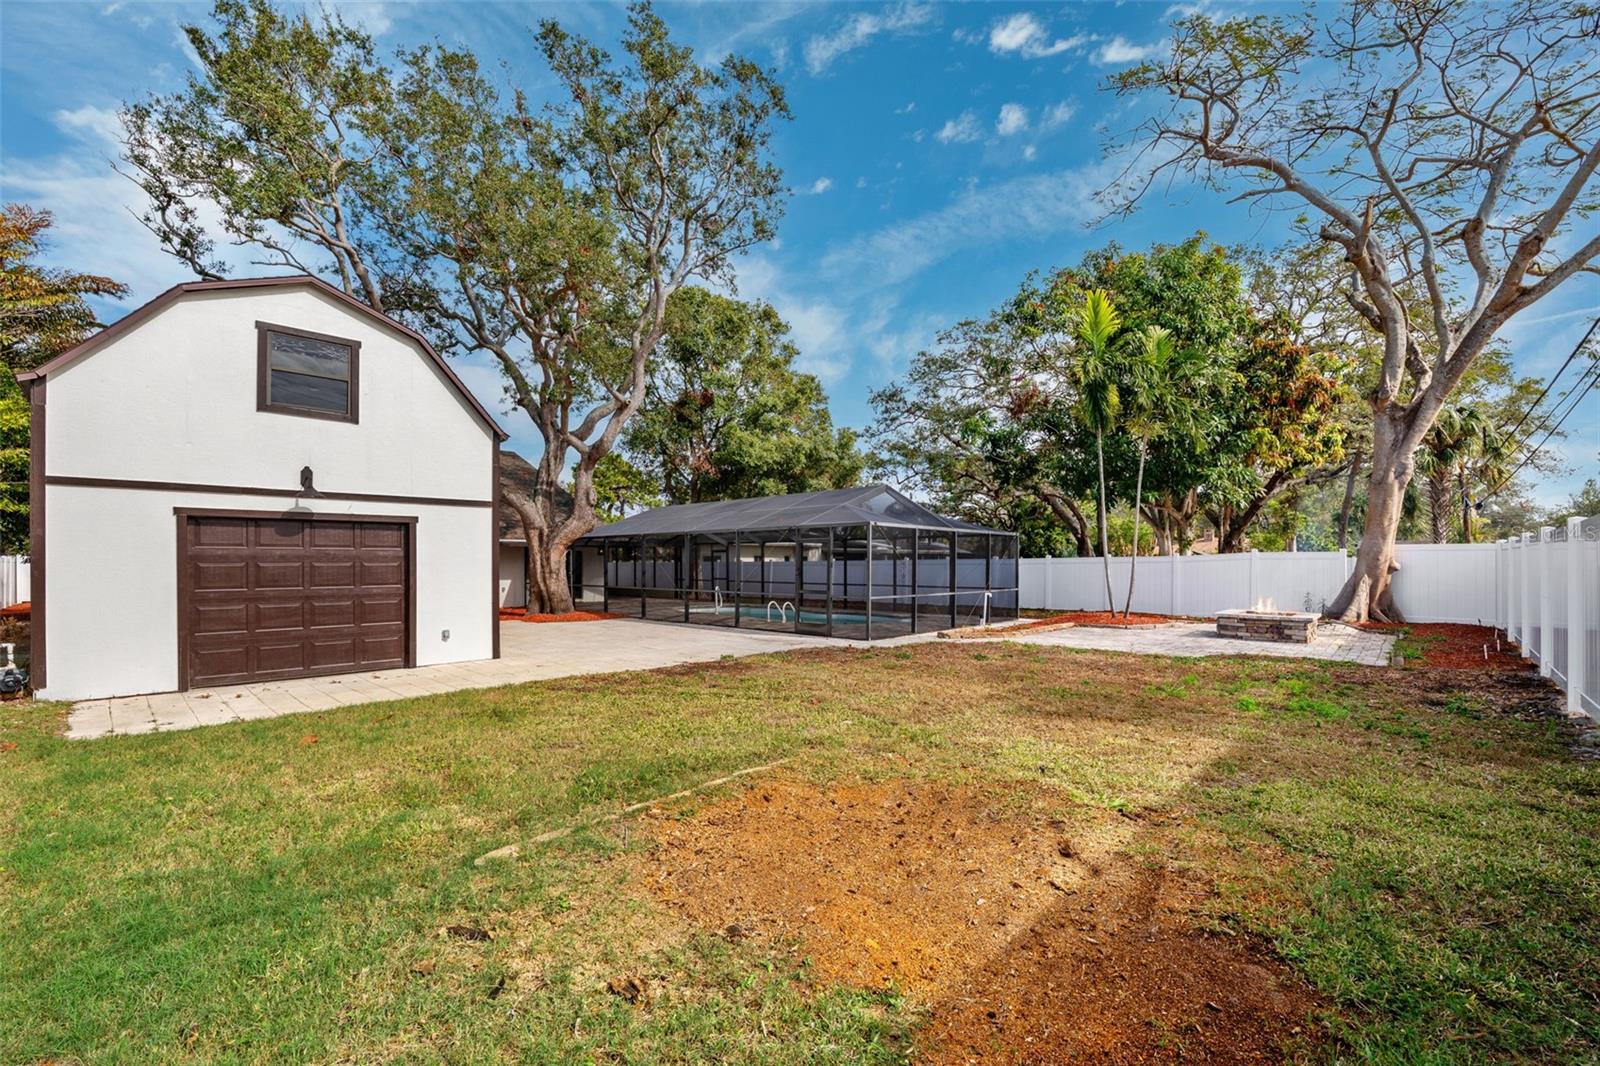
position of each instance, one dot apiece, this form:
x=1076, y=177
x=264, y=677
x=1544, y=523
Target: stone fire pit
x=1291, y=627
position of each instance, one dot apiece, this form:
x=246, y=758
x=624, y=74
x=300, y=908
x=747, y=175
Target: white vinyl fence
x=1542, y=589
x=1551, y=605
x=15, y=578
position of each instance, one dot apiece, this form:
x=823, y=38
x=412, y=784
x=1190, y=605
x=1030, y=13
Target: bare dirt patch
x=1027, y=940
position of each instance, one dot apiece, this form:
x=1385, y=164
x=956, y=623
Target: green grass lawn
x=1426, y=859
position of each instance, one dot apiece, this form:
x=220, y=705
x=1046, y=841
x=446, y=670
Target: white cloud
x=1013, y=119
x=1024, y=208
x=1023, y=34
x=861, y=182
x=820, y=186
x=860, y=28
x=97, y=125
x=1029, y=153
x=1121, y=50
x=960, y=130
x=1058, y=115
x=910, y=107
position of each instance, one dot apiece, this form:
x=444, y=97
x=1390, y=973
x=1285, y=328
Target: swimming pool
x=806, y=617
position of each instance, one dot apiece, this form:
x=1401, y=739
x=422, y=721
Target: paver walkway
x=528, y=652
x=1334, y=641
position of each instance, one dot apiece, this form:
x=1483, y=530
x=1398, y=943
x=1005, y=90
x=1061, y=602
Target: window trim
x=264, y=373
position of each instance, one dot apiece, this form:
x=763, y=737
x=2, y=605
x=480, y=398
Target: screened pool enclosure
x=864, y=563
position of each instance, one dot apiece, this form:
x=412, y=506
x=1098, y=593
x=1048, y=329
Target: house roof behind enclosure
x=832, y=507
x=516, y=473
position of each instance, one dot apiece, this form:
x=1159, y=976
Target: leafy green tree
x=621, y=488
x=727, y=416
x=1099, y=400
x=551, y=240
x=268, y=135
x=1427, y=141
x=43, y=312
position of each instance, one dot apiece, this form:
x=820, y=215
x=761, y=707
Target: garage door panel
x=232, y=576
x=332, y=575
x=326, y=614
x=332, y=535
x=274, y=599
x=266, y=574
x=377, y=573
x=378, y=650
x=222, y=533
x=378, y=610
x=221, y=618
x=284, y=659
x=269, y=616
x=376, y=536
x=333, y=654
x=269, y=534
x=222, y=662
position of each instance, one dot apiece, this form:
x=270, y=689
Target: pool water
x=806, y=617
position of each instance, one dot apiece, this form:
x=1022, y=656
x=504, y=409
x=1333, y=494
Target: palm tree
x=1458, y=435
x=1490, y=466
x=1154, y=406
x=1095, y=328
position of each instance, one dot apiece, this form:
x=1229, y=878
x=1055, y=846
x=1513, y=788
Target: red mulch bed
x=16, y=610
x=1098, y=618
x=1454, y=646
x=512, y=614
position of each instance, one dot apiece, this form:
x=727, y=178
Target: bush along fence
x=1550, y=605
x=15, y=578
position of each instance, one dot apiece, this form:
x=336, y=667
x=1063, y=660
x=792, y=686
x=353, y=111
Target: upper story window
x=303, y=373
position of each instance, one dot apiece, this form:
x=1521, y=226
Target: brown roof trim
x=172, y=295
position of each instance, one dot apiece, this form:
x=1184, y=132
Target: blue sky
x=938, y=152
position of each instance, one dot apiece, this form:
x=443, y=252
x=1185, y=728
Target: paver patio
x=1334, y=641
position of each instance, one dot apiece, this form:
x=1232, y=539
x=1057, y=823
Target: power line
x=1534, y=406
x=1593, y=374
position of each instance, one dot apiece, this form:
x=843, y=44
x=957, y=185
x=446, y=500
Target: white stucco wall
x=513, y=575
x=174, y=400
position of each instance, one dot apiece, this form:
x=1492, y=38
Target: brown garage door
x=268, y=598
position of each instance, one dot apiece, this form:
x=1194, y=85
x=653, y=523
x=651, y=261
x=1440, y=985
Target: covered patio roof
x=878, y=504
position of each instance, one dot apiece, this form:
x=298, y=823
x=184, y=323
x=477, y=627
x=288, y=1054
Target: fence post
x=1175, y=587
x=1578, y=591
x=1049, y=570
x=1252, y=598
x=1546, y=619
x=1525, y=595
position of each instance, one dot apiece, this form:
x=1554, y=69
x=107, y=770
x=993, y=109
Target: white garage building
x=250, y=480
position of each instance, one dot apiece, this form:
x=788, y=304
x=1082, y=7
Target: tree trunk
x=549, y=591
x=1466, y=507
x=1133, y=559
x=1439, y=507
x=1367, y=593
x=1105, y=549
x=1349, y=497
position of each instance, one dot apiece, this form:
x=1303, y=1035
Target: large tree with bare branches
x=549, y=239
x=1446, y=150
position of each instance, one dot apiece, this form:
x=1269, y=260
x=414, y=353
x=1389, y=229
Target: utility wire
x=1593, y=374
x=1534, y=406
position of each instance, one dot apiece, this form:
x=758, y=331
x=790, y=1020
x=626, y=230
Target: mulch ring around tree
x=1453, y=646
x=1023, y=942
x=513, y=614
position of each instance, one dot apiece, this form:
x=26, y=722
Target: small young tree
x=1153, y=403
x=1432, y=141
x=1098, y=398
